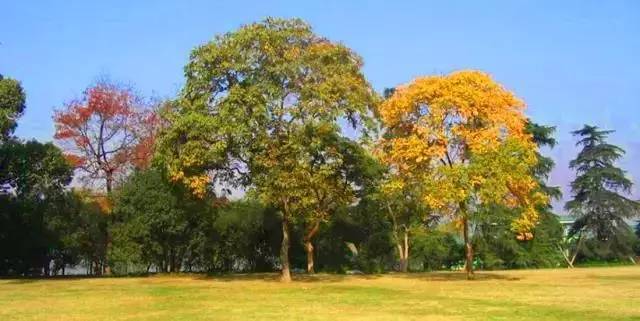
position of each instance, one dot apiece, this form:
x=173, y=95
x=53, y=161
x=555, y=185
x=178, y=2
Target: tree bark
x=406, y=250
x=468, y=248
x=109, y=186
x=573, y=258
x=285, y=275
x=403, y=248
x=565, y=254
x=403, y=252
x=309, y=246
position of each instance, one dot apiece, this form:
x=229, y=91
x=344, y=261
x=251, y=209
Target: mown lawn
x=580, y=294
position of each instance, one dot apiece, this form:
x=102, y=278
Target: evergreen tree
x=598, y=203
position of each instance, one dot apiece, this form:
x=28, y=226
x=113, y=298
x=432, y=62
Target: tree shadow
x=274, y=277
x=33, y=279
x=336, y=278
x=456, y=276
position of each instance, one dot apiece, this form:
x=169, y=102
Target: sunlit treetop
x=446, y=117
x=464, y=135
x=105, y=132
x=250, y=90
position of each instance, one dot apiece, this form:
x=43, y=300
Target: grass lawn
x=582, y=294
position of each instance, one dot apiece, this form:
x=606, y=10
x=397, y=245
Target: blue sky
x=573, y=62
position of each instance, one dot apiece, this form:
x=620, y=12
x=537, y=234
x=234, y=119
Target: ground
x=579, y=294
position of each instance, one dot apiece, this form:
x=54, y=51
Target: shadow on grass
x=33, y=279
x=456, y=276
x=334, y=278
x=275, y=277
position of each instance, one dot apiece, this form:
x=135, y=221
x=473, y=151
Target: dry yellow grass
x=580, y=294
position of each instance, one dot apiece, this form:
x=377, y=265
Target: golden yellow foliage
x=464, y=136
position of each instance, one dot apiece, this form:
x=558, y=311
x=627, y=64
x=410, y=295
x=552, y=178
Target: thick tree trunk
x=308, y=246
x=285, y=275
x=468, y=249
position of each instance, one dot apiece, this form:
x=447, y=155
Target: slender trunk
x=403, y=248
x=96, y=268
x=403, y=251
x=575, y=254
x=468, y=248
x=406, y=250
x=308, y=245
x=109, y=185
x=285, y=275
x=565, y=254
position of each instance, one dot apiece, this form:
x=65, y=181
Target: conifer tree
x=599, y=202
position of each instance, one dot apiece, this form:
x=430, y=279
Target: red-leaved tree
x=107, y=132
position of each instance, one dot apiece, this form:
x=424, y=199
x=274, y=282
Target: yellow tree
x=463, y=137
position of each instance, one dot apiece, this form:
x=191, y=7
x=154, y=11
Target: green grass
x=580, y=294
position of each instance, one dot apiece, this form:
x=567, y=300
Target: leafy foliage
x=463, y=136
x=260, y=109
x=12, y=105
x=159, y=224
x=597, y=202
x=105, y=133
x=33, y=178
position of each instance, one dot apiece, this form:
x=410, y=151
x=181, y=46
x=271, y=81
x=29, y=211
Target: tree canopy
x=464, y=136
x=598, y=203
x=12, y=105
x=258, y=109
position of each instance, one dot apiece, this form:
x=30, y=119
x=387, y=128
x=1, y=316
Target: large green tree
x=158, y=224
x=252, y=99
x=599, y=202
x=33, y=178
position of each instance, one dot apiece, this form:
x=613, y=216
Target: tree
x=494, y=240
x=82, y=222
x=598, y=202
x=155, y=223
x=401, y=199
x=104, y=133
x=399, y=194
x=12, y=105
x=251, y=99
x=463, y=137
x=336, y=173
x=33, y=178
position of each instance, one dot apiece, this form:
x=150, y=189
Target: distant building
x=566, y=222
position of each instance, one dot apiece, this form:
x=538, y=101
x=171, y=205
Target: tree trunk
x=468, y=248
x=406, y=250
x=285, y=275
x=309, y=246
x=403, y=252
x=578, y=245
x=109, y=186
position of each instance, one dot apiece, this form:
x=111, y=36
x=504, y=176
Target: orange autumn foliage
x=463, y=135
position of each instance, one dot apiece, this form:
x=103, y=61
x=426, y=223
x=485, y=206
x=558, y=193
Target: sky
x=572, y=62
